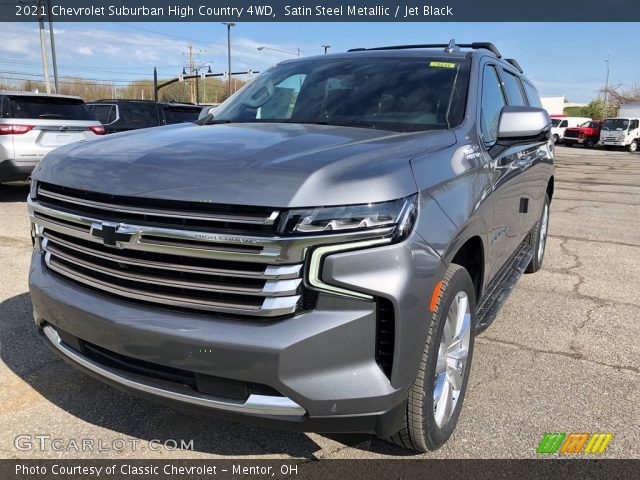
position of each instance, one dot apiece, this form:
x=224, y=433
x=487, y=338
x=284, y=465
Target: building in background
x=557, y=105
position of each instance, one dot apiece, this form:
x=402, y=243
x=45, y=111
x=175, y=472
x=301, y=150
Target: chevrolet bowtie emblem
x=112, y=234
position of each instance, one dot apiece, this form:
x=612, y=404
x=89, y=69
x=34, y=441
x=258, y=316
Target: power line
x=97, y=69
x=135, y=27
x=21, y=76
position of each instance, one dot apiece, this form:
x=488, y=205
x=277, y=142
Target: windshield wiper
x=49, y=115
x=209, y=120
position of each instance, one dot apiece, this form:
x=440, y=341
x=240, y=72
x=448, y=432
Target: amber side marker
x=434, y=297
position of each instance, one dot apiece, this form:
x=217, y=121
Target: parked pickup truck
x=587, y=134
x=317, y=255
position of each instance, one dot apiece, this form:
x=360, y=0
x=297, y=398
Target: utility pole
x=53, y=47
x=229, y=25
x=155, y=84
x=43, y=50
x=326, y=47
x=606, y=88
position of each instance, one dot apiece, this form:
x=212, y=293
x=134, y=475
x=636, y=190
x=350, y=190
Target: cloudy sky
x=562, y=59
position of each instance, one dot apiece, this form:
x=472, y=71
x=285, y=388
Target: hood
x=276, y=165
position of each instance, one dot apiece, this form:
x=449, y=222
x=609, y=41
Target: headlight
x=400, y=213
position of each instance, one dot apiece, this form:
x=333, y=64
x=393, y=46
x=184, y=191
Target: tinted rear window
x=105, y=113
x=181, y=114
x=47, y=108
x=135, y=115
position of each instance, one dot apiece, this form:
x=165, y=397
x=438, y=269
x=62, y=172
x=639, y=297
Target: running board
x=501, y=286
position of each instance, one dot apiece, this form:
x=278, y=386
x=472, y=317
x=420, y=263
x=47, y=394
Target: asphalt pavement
x=563, y=354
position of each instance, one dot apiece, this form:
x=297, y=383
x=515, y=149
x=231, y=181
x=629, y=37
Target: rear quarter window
x=47, y=108
x=514, y=89
x=105, y=113
x=532, y=95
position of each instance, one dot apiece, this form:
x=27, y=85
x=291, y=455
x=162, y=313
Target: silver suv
x=318, y=256
x=33, y=124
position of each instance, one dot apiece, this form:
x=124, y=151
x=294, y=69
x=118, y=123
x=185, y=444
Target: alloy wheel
x=452, y=359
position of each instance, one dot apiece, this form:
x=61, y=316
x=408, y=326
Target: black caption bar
x=312, y=469
x=322, y=11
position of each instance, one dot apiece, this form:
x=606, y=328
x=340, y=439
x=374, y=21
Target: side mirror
x=519, y=125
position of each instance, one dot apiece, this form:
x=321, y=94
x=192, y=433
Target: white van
x=621, y=133
x=560, y=124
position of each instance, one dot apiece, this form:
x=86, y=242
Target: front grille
x=571, y=134
x=181, y=263
x=201, y=216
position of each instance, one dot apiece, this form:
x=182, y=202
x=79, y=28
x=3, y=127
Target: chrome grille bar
x=45, y=194
x=270, y=272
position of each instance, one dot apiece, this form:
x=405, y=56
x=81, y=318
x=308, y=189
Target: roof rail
x=449, y=47
x=515, y=63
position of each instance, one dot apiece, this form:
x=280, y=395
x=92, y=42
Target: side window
x=532, y=95
x=564, y=124
x=492, y=103
x=139, y=115
x=512, y=84
x=633, y=125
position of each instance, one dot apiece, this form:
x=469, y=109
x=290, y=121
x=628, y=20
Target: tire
x=556, y=139
x=538, y=238
x=590, y=143
x=633, y=146
x=428, y=424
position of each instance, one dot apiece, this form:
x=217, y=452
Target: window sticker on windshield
x=442, y=65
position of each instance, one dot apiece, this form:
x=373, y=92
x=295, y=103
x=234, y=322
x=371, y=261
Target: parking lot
x=562, y=356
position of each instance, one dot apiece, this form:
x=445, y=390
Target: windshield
x=406, y=94
x=615, y=124
x=555, y=122
x=588, y=124
x=57, y=108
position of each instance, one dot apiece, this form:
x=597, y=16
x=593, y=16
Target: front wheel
x=555, y=139
x=633, y=146
x=590, y=143
x=538, y=238
x=435, y=398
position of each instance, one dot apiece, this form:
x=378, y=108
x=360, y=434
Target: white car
x=33, y=124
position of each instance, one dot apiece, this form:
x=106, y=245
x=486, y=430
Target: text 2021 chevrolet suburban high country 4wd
x=319, y=256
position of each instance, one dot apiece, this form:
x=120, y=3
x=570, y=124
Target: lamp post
x=326, y=47
x=196, y=72
x=296, y=53
x=229, y=25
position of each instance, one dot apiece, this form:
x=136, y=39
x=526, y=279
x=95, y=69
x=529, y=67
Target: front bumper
x=321, y=362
